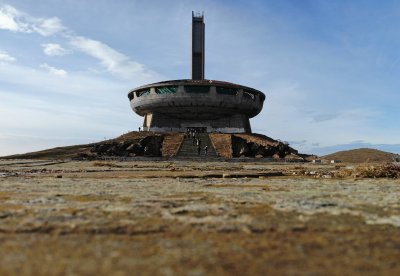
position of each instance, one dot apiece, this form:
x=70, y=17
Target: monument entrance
x=196, y=129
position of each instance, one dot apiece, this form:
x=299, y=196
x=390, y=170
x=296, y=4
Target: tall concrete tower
x=198, y=38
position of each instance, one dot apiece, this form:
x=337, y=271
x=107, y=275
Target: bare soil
x=193, y=218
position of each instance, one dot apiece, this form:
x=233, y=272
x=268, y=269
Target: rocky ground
x=194, y=218
x=168, y=144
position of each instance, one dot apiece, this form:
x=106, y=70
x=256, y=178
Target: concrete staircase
x=188, y=150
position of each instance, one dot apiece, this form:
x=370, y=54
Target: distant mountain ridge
x=362, y=155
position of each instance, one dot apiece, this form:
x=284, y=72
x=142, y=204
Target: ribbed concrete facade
x=231, y=124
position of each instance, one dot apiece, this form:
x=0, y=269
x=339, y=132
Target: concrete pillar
x=198, y=42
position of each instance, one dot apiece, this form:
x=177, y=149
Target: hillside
x=130, y=144
x=361, y=155
x=169, y=144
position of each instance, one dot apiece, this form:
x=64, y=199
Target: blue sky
x=330, y=69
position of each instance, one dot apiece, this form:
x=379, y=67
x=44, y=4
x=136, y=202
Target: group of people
x=196, y=141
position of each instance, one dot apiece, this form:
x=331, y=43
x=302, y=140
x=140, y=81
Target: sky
x=330, y=69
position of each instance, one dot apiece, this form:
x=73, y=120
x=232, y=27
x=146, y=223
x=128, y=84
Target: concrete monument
x=206, y=105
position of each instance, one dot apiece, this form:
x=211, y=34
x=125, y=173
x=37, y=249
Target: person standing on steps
x=205, y=150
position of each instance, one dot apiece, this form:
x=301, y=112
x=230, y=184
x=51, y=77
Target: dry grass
x=343, y=173
x=361, y=156
x=377, y=171
x=95, y=198
x=387, y=170
x=222, y=144
x=4, y=195
x=106, y=164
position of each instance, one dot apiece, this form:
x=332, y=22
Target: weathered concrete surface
x=169, y=218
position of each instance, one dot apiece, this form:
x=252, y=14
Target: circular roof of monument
x=197, y=82
x=196, y=99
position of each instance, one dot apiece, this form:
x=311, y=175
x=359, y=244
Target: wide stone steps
x=188, y=149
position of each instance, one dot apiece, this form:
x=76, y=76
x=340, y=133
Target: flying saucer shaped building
x=206, y=105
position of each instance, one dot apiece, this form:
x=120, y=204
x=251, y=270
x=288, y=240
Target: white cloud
x=49, y=111
x=114, y=61
x=13, y=20
x=52, y=49
x=5, y=57
x=47, y=26
x=53, y=70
